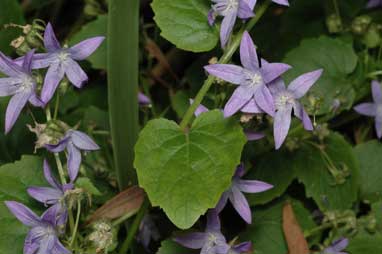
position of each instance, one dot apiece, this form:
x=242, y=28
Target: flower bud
x=334, y=23
x=361, y=24
x=49, y=133
x=102, y=236
x=372, y=37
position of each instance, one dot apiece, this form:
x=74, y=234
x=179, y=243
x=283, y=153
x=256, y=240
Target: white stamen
x=283, y=99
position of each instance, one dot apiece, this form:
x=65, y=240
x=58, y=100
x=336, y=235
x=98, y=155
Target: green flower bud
x=361, y=24
x=334, y=23
x=372, y=38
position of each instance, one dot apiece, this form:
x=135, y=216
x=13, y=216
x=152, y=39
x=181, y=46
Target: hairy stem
x=74, y=233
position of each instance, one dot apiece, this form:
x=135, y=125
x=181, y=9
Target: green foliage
x=86, y=184
x=365, y=243
x=15, y=178
x=184, y=23
x=185, y=173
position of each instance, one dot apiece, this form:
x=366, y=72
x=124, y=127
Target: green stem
x=56, y=106
x=123, y=63
x=374, y=74
x=224, y=59
x=134, y=227
x=323, y=226
x=72, y=240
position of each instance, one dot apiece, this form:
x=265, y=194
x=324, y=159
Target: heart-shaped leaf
x=186, y=173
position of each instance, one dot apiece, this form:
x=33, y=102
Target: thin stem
x=56, y=106
x=60, y=168
x=123, y=218
x=374, y=74
x=224, y=59
x=76, y=224
x=134, y=227
x=324, y=226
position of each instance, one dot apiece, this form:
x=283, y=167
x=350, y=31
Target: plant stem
x=72, y=240
x=123, y=63
x=134, y=227
x=226, y=57
x=56, y=106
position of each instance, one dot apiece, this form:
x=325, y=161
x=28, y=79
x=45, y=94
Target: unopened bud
x=334, y=24
x=361, y=24
x=102, y=236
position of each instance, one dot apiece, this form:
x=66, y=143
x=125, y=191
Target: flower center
x=284, y=99
x=63, y=56
x=26, y=84
x=225, y=7
x=254, y=79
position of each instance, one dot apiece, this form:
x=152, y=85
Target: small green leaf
x=365, y=243
x=184, y=23
x=15, y=178
x=338, y=60
x=370, y=161
x=87, y=185
x=186, y=173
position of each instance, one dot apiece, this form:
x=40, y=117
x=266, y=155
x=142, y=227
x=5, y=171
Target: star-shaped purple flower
x=337, y=247
x=374, y=4
x=236, y=196
x=43, y=237
x=252, y=95
x=21, y=84
x=211, y=241
x=230, y=10
x=373, y=109
x=62, y=61
x=286, y=101
x=73, y=141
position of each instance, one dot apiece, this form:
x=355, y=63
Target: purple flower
x=230, y=10
x=252, y=3
x=237, y=198
x=374, y=3
x=373, y=109
x=147, y=231
x=42, y=238
x=143, y=99
x=211, y=241
x=21, y=84
x=62, y=61
x=252, y=94
x=286, y=100
x=240, y=248
x=73, y=141
x=337, y=247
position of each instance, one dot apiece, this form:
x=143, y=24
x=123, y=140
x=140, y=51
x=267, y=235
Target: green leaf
x=312, y=170
x=180, y=102
x=184, y=23
x=338, y=60
x=10, y=12
x=272, y=168
x=15, y=178
x=370, y=161
x=186, y=173
x=87, y=185
x=97, y=27
x=171, y=247
x=364, y=243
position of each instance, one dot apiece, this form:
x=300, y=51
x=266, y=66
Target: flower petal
x=251, y=3
x=244, y=11
x=85, y=48
x=8, y=67
x=264, y=100
x=251, y=107
x=83, y=141
x=200, y=109
x=282, y=2
x=276, y=86
x=49, y=177
x=58, y=248
x=227, y=27
x=248, y=54
x=75, y=73
x=228, y=72
x=300, y=86
x=213, y=221
x=252, y=136
x=376, y=91
x=50, y=40
x=243, y=247
x=252, y=186
x=301, y=114
x=74, y=161
x=45, y=195
x=239, y=98
x=43, y=60
x=378, y=125
x=35, y=100
x=241, y=205
x=9, y=86
x=192, y=240
x=30, y=246
x=16, y=104
x=58, y=147
x=272, y=71
x=46, y=244
x=222, y=202
x=52, y=79
x=23, y=213
x=281, y=125
x=27, y=63
x=143, y=99
x=340, y=244
x=373, y=4
x=367, y=109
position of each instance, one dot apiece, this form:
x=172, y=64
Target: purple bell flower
x=20, y=84
x=63, y=61
x=211, y=241
x=373, y=109
x=43, y=237
x=143, y=100
x=235, y=194
x=73, y=141
x=374, y=4
x=252, y=94
x=337, y=247
x=286, y=100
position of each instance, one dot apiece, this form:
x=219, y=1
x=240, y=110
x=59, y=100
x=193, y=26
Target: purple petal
x=281, y=125
x=52, y=79
x=211, y=17
x=277, y=86
x=300, y=86
x=16, y=104
x=45, y=195
x=43, y=60
x=200, y=109
x=49, y=177
x=85, y=48
x=251, y=107
x=192, y=240
x=51, y=215
x=75, y=74
x=272, y=71
x=367, y=109
x=239, y=98
x=58, y=248
x=251, y=3
x=243, y=247
x=301, y=114
x=83, y=141
x=143, y=99
x=50, y=40
x=340, y=244
x=227, y=27
x=282, y=2
x=222, y=202
x=241, y=205
x=240, y=171
x=30, y=246
x=23, y=213
x=213, y=221
x=9, y=86
x=35, y=100
x=264, y=100
x=376, y=91
x=252, y=136
x=27, y=64
x=74, y=161
x=58, y=147
x=248, y=55
x=46, y=244
x=252, y=186
x=374, y=3
x=8, y=67
x=244, y=11
x=228, y=72
x=378, y=125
